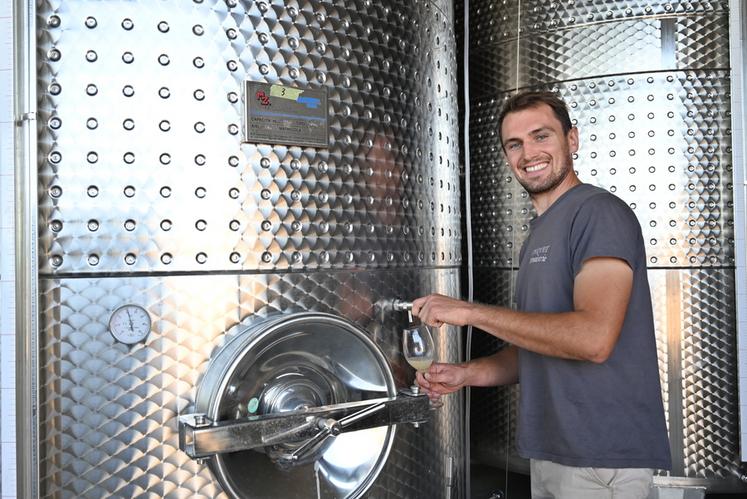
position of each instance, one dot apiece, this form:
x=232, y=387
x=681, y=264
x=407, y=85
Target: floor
x=495, y=483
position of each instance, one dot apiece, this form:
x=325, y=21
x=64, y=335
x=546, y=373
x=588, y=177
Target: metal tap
x=401, y=305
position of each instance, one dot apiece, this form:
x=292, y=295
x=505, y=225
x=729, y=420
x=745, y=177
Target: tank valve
x=393, y=305
x=401, y=305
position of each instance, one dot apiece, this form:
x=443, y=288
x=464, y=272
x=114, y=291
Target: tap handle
x=401, y=305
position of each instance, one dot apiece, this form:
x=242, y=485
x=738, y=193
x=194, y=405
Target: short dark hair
x=529, y=99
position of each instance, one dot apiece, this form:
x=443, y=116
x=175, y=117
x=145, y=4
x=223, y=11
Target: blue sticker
x=310, y=102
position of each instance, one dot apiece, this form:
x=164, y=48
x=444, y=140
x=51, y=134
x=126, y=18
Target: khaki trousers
x=554, y=481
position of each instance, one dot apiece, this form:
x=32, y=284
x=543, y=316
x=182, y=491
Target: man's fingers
x=440, y=373
x=417, y=305
x=437, y=378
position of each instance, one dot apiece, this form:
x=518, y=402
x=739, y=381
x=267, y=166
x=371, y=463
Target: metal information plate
x=277, y=114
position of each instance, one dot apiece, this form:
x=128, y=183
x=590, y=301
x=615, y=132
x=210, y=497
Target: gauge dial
x=130, y=324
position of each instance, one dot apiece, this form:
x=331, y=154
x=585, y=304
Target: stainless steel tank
x=169, y=227
x=648, y=86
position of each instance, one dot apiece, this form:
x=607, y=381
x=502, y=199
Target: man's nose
x=530, y=149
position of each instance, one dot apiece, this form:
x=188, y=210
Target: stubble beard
x=549, y=183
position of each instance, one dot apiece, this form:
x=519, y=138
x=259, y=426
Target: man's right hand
x=437, y=310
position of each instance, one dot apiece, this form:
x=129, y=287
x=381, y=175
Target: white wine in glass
x=419, y=349
x=420, y=364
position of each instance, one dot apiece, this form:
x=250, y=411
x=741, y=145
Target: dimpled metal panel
x=629, y=46
x=497, y=20
x=677, y=179
x=709, y=380
x=703, y=42
x=148, y=195
x=565, y=54
x=140, y=123
x=109, y=410
x=648, y=86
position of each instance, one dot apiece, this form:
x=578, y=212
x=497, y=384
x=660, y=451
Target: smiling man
x=582, y=342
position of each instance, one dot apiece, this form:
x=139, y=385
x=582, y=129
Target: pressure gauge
x=129, y=324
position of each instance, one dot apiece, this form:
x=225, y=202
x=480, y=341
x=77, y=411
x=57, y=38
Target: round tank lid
x=289, y=363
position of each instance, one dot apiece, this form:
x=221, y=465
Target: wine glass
x=419, y=351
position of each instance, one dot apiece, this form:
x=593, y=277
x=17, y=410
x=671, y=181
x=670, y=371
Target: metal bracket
x=31, y=116
x=200, y=437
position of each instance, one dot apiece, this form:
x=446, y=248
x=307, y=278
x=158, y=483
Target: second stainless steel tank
x=648, y=85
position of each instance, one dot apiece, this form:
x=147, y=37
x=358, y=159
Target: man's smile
x=536, y=167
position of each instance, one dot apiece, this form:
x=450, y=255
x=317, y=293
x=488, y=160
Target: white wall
x=7, y=255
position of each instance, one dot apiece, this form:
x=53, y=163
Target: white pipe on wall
x=7, y=250
x=26, y=261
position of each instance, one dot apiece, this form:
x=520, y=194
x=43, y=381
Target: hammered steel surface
x=109, y=410
x=148, y=195
x=495, y=20
x=708, y=348
x=620, y=48
x=142, y=166
x=554, y=40
x=648, y=86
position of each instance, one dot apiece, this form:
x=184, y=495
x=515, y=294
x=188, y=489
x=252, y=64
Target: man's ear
x=572, y=138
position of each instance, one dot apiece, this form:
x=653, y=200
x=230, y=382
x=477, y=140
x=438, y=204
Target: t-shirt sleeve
x=604, y=226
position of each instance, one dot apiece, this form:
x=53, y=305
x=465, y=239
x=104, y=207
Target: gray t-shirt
x=579, y=413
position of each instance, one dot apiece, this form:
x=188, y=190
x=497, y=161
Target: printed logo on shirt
x=540, y=255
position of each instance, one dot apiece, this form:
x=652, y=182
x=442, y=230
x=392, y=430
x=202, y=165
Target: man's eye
x=541, y=137
x=512, y=146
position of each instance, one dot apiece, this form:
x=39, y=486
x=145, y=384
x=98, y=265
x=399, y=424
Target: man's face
x=537, y=149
